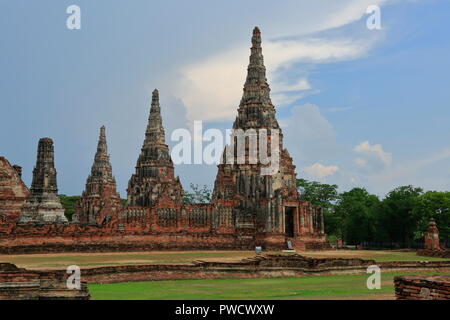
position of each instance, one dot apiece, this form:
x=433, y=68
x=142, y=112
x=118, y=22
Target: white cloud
x=301, y=84
x=361, y=162
x=319, y=171
x=285, y=98
x=372, y=155
x=211, y=89
x=309, y=136
x=409, y=172
x=351, y=12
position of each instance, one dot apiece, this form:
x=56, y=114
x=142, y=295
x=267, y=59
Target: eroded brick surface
x=432, y=246
x=21, y=284
x=100, y=202
x=422, y=287
x=43, y=205
x=13, y=194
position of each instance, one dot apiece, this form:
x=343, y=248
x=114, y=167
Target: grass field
x=314, y=287
x=59, y=261
x=343, y=287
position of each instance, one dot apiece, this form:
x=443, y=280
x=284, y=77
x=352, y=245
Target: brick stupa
x=154, y=175
x=43, y=205
x=100, y=202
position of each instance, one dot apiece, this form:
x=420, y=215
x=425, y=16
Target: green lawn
x=313, y=287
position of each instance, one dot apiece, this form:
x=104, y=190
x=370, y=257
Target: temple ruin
x=250, y=205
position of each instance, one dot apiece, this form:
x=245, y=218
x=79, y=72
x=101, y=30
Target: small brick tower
x=431, y=236
x=43, y=205
x=154, y=176
x=100, y=202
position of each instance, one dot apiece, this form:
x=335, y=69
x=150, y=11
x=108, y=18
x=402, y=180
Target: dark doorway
x=289, y=221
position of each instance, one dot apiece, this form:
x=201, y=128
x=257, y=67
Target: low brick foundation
x=21, y=284
x=261, y=266
x=98, y=242
x=118, y=243
x=422, y=287
x=439, y=253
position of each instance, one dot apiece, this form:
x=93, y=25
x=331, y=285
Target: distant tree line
x=401, y=217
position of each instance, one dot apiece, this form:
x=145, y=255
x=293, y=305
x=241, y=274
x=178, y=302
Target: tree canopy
x=357, y=216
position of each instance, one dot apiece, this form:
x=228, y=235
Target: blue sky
x=358, y=107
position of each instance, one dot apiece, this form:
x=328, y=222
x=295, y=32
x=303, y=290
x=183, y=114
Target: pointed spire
x=155, y=101
x=101, y=166
x=256, y=39
x=155, y=131
x=99, y=198
x=154, y=175
x=256, y=109
x=256, y=69
x=102, y=148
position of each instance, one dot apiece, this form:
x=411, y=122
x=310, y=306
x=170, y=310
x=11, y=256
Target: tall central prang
x=268, y=204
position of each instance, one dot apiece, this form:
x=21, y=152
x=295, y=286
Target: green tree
x=198, y=195
x=396, y=221
x=436, y=205
x=325, y=195
x=68, y=202
x=319, y=194
x=356, y=210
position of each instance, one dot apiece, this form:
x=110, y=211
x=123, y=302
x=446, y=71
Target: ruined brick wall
x=261, y=266
x=422, y=287
x=100, y=241
x=13, y=194
x=442, y=253
x=21, y=284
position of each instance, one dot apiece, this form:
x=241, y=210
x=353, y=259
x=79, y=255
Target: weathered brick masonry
x=248, y=208
x=261, y=266
x=432, y=246
x=422, y=287
x=21, y=284
x=13, y=194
